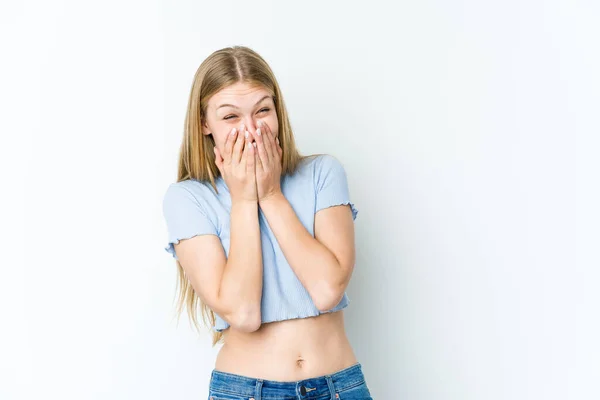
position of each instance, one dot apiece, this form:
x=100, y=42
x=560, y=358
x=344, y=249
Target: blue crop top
x=192, y=208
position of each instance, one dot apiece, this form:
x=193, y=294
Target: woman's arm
x=230, y=286
x=323, y=263
x=241, y=283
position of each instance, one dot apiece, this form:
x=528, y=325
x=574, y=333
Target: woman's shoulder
x=318, y=162
x=193, y=185
x=190, y=190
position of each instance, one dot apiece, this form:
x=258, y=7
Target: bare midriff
x=289, y=350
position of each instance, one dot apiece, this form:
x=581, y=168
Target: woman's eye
x=261, y=110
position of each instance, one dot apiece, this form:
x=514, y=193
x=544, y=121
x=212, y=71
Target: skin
x=293, y=349
x=227, y=124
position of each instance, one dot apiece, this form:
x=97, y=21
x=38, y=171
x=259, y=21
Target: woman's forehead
x=238, y=95
x=241, y=90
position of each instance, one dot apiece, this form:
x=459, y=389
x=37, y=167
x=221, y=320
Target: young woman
x=263, y=238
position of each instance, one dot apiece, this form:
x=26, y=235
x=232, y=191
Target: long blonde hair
x=222, y=68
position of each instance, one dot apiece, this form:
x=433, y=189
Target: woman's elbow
x=327, y=299
x=248, y=320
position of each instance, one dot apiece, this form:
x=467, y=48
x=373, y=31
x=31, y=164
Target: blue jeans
x=346, y=384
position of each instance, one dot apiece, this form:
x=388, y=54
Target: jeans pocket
x=213, y=395
x=358, y=392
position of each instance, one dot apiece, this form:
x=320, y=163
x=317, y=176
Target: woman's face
x=235, y=105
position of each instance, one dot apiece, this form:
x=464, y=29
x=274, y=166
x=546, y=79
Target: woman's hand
x=268, y=162
x=237, y=165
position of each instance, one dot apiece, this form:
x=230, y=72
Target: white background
x=469, y=132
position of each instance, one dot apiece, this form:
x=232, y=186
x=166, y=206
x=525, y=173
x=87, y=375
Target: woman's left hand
x=268, y=162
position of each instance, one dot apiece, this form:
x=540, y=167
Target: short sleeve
x=184, y=216
x=332, y=184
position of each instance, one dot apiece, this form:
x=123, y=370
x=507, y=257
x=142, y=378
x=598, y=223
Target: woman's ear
x=205, y=130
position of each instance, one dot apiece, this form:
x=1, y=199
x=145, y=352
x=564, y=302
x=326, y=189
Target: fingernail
x=258, y=131
x=242, y=127
x=259, y=123
x=254, y=144
x=247, y=133
x=233, y=132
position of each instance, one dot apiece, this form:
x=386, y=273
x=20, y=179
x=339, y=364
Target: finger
x=267, y=138
x=239, y=146
x=229, y=141
x=254, y=140
x=251, y=158
x=257, y=160
x=261, y=146
x=247, y=152
x=218, y=160
x=273, y=140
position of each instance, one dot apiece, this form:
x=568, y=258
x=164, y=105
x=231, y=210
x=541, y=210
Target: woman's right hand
x=237, y=165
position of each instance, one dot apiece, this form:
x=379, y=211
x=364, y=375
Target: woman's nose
x=251, y=124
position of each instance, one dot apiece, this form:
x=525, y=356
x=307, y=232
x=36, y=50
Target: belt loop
x=331, y=387
x=257, y=391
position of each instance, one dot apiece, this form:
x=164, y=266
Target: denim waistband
x=321, y=387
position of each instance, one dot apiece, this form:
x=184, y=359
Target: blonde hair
x=222, y=68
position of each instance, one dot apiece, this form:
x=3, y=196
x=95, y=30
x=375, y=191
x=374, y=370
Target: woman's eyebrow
x=231, y=105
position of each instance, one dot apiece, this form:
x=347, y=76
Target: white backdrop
x=469, y=132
